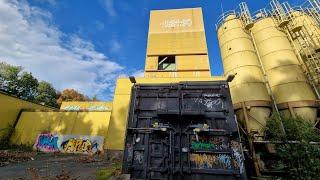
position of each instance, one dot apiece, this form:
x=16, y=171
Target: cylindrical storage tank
x=248, y=88
x=286, y=78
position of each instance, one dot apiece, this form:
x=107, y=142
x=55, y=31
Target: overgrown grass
x=107, y=172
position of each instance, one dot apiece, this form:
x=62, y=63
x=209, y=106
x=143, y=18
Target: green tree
x=27, y=86
x=9, y=78
x=46, y=94
x=301, y=159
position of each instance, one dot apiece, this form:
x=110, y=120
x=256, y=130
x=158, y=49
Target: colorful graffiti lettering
x=47, y=143
x=69, y=143
x=238, y=158
x=75, y=145
x=225, y=161
x=221, y=161
x=197, y=145
x=209, y=143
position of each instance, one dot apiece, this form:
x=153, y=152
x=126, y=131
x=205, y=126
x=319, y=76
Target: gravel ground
x=54, y=166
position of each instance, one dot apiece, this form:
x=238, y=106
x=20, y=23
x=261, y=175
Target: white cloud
x=109, y=6
x=139, y=73
x=29, y=39
x=115, y=46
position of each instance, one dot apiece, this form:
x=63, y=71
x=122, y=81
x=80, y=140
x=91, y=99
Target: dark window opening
x=167, y=63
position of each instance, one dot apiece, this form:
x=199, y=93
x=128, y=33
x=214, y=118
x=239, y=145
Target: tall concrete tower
x=177, y=44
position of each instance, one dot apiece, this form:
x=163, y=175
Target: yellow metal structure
x=119, y=114
x=239, y=57
x=177, y=35
x=305, y=33
x=78, y=123
x=10, y=107
x=286, y=78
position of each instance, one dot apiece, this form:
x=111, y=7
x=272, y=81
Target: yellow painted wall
x=85, y=105
x=178, y=32
x=119, y=115
x=79, y=123
x=10, y=107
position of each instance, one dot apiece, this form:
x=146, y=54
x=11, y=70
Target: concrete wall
x=10, y=107
x=31, y=124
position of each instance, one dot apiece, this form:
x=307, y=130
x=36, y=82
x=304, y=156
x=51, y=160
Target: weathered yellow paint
x=79, y=123
x=10, y=107
x=85, y=105
x=119, y=114
x=285, y=75
x=177, y=32
x=239, y=57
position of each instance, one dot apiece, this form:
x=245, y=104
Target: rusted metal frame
x=299, y=104
x=256, y=103
x=252, y=150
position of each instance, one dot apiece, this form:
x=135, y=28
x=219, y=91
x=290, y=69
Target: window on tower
x=167, y=63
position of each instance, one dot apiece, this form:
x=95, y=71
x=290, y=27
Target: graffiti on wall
x=211, y=104
x=238, y=157
x=69, y=143
x=90, y=108
x=47, y=143
x=232, y=160
x=80, y=145
x=210, y=161
x=209, y=143
x=171, y=23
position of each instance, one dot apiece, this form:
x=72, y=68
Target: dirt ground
x=32, y=165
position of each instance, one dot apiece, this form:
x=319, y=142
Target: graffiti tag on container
x=47, y=143
x=209, y=143
x=210, y=103
x=238, y=158
x=138, y=157
x=209, y=161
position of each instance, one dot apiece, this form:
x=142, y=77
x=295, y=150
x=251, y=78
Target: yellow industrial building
x=273, y=73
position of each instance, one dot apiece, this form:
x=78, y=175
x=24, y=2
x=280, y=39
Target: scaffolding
x=305, y=42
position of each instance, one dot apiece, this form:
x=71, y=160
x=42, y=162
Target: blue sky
x=86, y=45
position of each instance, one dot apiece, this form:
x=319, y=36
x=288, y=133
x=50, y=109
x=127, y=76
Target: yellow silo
x=248, y=90
x=288, y=83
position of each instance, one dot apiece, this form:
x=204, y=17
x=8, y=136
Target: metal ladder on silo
x=279, y=14
x=245, y=16
x=282, y=14
x=315, y=9
x=308, y=44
